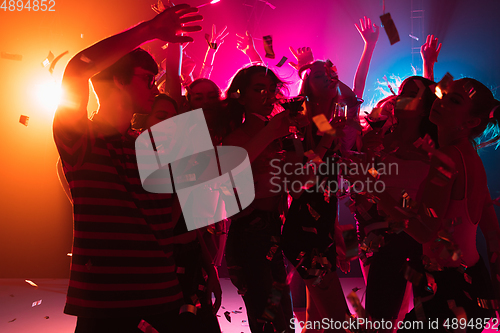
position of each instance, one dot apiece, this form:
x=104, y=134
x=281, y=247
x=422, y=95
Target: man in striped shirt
x=122, y=269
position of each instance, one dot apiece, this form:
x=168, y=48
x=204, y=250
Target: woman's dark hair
x=428, y=98
x=198, y=81
x=487, y=109
x=239, y=86
x=165, y=97
x=123, y=70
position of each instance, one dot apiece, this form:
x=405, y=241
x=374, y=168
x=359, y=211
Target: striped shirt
x=122, y=263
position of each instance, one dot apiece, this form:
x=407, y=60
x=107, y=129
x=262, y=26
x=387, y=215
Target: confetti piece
x=488, y=303
x=69, y=254
x=85, y=59
x=353, y=298
x=24, y=120
x=46, y=317
x=48, y=60
x=227, y=314
x=10, y=321
x=373, y=172
x=390, y=28
x=271, y=252
x=236, y=312
x=282, y=62
x=240, y=308
x=11, y=56
x=36, y=303
x=469, y=89
x=313, y=212
x=225, y=190
x=310, y=229
x=442, y=86
x=414, y=37
x=431, y=212
x=188, y=308
x=53, y=65
x=145, y=327
x=323, y=124
x=31, y=283
x=268, y=47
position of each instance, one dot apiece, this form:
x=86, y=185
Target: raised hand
x=303, y=55
x=245, y=43
x=217, y=39
x=430, y=50
x=368, y=31
x=171, y=23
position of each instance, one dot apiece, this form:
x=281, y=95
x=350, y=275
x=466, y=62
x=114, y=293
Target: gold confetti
x=54, y=62
x=442, y=86
x=69, y=254
x=323, y=124
x=31, y=283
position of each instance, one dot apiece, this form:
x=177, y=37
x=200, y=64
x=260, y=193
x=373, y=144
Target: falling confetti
x=282, y=62
x=48, y=60
x=31, y=283
x=268, y=47
x=46, y=317
x=146, y=327
x=35, y=303
x=10, y=321
x=11, y=56
x=390, y=28
x=24, y=120
x=227, y=314
x=54, y=62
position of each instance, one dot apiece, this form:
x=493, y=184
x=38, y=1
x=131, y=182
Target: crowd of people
x=136, y=267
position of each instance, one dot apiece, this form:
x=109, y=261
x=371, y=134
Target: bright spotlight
x=48, y=96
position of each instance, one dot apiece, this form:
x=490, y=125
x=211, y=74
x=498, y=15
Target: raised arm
x=303, y=56
x=246, y=45
x=369, y=32
x=173, y=60
x=430, y=52
x=165, y=26
x=214, y=43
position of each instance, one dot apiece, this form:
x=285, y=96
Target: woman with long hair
x=455, y=201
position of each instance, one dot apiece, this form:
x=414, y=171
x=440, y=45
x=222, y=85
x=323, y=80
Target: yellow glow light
x=48, y=96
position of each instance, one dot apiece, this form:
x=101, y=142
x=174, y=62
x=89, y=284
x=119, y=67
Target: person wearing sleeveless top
x=454, y=280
